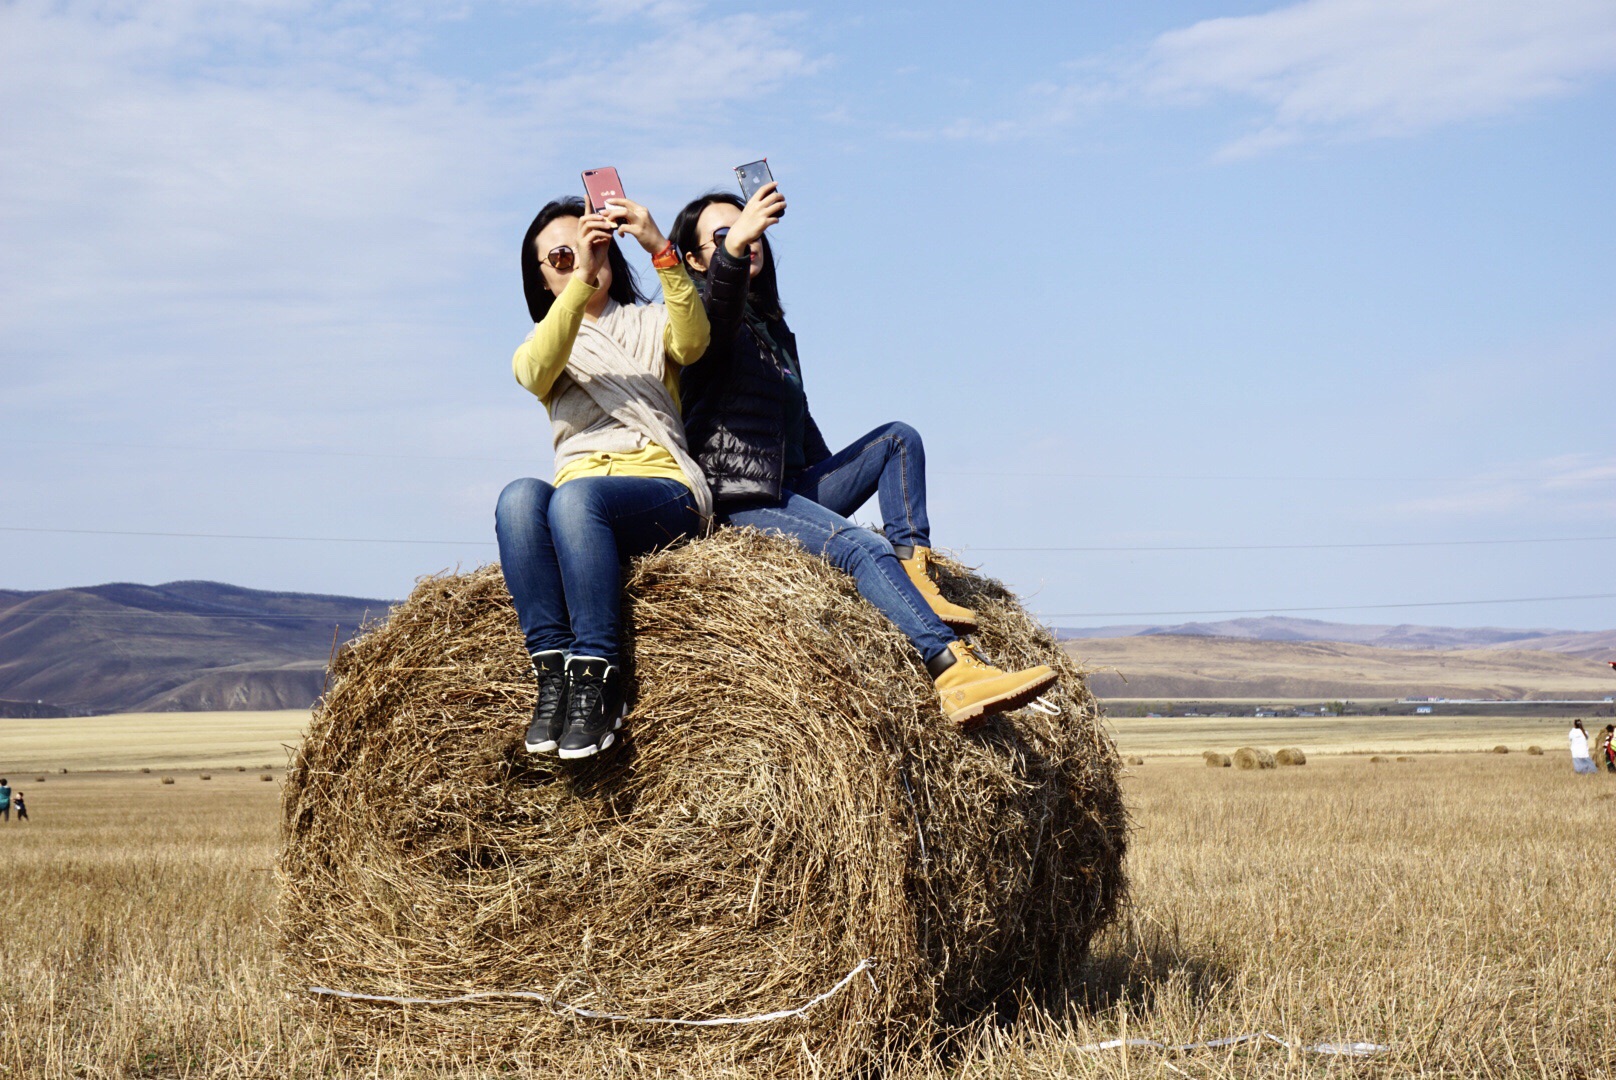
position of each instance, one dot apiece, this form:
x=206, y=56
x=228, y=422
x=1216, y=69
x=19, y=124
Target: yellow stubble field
x=1458, y=909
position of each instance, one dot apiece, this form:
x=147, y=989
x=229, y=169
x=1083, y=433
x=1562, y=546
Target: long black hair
x=625, y=287
x=764, y=293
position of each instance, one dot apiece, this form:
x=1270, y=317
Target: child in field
x=1580, y=759
x=22, y=807
x=5, y=799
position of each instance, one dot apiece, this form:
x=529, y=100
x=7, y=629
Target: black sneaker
x=594, y=707
x=550, y=710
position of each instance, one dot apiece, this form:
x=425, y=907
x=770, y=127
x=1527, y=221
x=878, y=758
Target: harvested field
x=789, y=807
x=138, y=942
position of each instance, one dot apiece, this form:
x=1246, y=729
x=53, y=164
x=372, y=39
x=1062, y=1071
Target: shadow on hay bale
x=789, y=801
x=1250, y=757
x=1291, y=755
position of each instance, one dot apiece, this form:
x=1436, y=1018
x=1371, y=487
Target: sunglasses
x=562, y=258
x=718, y=236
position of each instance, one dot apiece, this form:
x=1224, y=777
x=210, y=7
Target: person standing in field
x=5, y=799
x=605, y=365
x=752, y=432
x=1580, y=759
x=1607, y=748
x=22, y=807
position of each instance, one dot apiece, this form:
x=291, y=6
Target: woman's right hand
x=594, y=233
x=763, y=209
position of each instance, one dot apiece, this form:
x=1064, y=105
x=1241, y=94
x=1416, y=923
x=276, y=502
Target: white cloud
x=1569, y=487
x=1368, y=68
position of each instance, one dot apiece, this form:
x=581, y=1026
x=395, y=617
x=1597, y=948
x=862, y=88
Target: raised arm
x=688, y=333
x=543, y=356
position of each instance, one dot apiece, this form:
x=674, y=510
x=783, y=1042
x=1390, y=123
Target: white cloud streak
x=1378, y=68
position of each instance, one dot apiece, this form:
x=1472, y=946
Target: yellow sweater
x=541, y=359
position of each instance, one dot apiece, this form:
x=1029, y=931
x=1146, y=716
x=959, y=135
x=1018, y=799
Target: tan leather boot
x=972, y=690
x=961, y=620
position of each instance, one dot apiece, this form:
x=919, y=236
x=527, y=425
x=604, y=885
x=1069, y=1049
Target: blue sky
x=1146, y=276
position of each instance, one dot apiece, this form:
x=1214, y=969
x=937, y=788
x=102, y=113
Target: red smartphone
x=600, y=185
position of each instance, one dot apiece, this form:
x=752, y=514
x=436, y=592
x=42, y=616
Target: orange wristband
x=666, y=259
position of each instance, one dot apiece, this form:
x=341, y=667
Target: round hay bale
x=1215, y=760
x=1377, y=760
x=168, y=779
x=1136, y=760
x=39, y=779
x=1404, y=759
x=1534, y=751
x=265, y=777
x=205, y=776
x=1250, y=757
x=1291, y=755
x=789, y=801
x=145, y=770
x=1500, y=749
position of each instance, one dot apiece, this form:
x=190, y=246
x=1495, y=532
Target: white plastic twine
x=1351, y=1049
x=863, y=968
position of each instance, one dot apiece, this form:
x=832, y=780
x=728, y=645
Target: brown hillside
x=1169, y=666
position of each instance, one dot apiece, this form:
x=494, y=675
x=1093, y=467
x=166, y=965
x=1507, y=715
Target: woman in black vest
x=750, y=429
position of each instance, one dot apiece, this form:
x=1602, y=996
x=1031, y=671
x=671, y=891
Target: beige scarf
x=618, y=360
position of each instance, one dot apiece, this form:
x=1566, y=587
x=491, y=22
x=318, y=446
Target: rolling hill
x=1199, y=666
x=180, y=646
x=1279, y=628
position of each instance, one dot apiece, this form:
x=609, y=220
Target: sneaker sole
x=546, y=747
x=590, y=751
x=975, y=715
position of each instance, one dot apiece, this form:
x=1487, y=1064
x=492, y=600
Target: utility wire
x=968, y=547
x=1307, y=547
x=243, y=536
x=1330, y=607
x=404, y=455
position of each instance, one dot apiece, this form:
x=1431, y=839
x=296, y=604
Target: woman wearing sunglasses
x=751, y=431
x=605, y=364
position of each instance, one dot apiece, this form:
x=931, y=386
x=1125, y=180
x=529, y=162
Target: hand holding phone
x=636, y=221
x=763, y=210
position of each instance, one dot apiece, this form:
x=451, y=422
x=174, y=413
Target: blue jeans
x=562, y=550
x=890, y=462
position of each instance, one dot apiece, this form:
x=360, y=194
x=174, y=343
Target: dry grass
x=214, y=740
x=1459, y=910
x=1157, y=736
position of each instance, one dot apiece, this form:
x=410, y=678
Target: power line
x=968, y=547
x=243, y=536
x=323, y=619
x=1330, y=607
x=404, y=455
x=1306, y=547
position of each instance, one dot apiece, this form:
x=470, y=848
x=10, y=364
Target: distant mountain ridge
x=184, y=645
x=1400, y=636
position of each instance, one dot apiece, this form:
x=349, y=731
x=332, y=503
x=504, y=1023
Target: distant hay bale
x=168, y=779
x=39, y=779
x=1215, y=760
x=1378, y=760
x=1291, y=755
x=1534, y=751
x=241, y=768
x=1500, y=749
x=145, y=770
x=205, y=776
x=265, y=777
x=1405, y=759
x=1250, y=757
x=1136, y=760
x=789, y=801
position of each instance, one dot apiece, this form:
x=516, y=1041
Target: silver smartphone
x=753, y=175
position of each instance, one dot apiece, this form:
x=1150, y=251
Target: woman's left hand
x=635, y=220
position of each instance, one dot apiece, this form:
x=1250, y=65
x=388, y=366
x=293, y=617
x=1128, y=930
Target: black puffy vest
x=733, y=398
